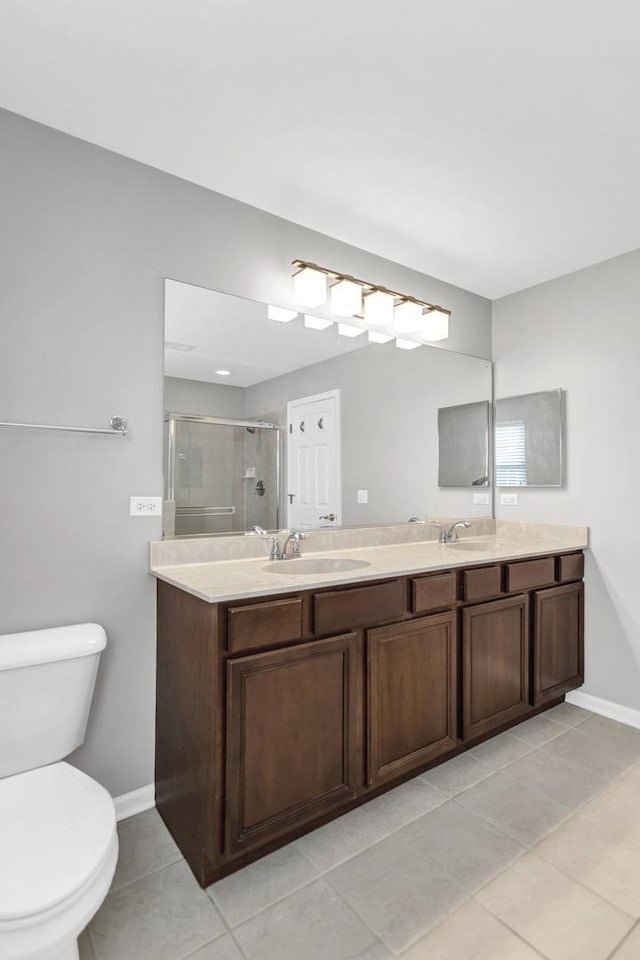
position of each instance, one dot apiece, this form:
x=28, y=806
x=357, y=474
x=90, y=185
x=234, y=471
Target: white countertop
x=221, y=580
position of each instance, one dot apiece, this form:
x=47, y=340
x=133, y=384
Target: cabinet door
x=559, y=641
x=411, y=694
x=495, y=642
x=291, y=737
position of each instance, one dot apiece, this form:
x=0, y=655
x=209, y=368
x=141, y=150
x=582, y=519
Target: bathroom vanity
x=285, y=699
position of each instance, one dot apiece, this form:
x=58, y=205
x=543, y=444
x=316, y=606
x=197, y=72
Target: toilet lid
x=56, y=826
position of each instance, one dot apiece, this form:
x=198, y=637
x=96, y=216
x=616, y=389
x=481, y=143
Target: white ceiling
x=231, y=333
x=493, y=144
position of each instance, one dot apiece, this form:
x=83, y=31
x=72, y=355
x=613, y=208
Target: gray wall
x=582, y=332
x=389, y=401
x=205, y=399
x=86, y=240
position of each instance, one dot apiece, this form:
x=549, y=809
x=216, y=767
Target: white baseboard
x=606, y=708
x=135, y=802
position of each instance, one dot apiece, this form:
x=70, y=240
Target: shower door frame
x=172, y=418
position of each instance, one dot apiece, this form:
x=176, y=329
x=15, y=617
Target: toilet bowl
x=58, y=838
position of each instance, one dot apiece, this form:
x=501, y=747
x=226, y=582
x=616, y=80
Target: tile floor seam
x=528, y=847
x=423, y=933
x=151, y=873
x=548, y=796
x=532, y=749
x=185, y=956
x=267, y=906
x=511, y=929
x=611, y=955
x=581, y=883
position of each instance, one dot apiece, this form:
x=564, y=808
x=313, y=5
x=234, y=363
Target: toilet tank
x=47, y=679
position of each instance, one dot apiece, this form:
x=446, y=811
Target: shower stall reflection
x=222, y=475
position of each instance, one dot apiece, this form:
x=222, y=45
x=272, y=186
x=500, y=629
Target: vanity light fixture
x=407, y=316
x=310, y=286
x=346, y=298
x=316, y=323
x=375, y=337
x=281, y=314
x=391, y=311
x=348, y=330
x=223, y=373
x=435, y=325
x=406, y=344
x=378, y=308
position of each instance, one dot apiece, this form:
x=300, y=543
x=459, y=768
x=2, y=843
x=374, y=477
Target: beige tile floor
x=527, y=846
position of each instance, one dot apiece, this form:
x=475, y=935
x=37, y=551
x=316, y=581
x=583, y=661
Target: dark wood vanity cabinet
x=411, y=695
x=291, y=738
x=276, y=714
x=495, y=664
x=558, y=631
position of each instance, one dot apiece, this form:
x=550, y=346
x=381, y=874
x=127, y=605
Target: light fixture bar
x=366, y=285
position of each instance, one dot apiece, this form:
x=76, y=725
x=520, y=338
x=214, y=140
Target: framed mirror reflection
x=279, y=424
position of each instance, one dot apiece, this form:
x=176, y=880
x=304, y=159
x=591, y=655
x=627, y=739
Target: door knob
x=328, y=516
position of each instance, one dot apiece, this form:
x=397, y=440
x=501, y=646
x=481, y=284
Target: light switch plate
x=362, y=496
x=145, y=506
x=481, y=498
x=508, y=499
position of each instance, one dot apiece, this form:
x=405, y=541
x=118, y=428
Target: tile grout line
x=510, y=929
x=611, y=955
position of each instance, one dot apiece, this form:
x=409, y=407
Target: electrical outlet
x=362, y=496
x=508, y=499
x=481, y=498
x=145, y=506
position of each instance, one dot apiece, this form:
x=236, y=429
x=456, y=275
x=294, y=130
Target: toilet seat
x=56, y=825
x=58, y=829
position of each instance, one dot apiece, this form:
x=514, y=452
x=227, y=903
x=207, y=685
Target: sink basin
x=470, y=545
x=306, y=567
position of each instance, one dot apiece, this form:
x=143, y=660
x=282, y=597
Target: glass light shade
x=406, y=344
x=378, y=308
x=435, y=325
x=375, y=337
x=347, y=330
x=407, y=316
x=316, y=323
x=310, y=287
x=346, y=298
x=281, y=314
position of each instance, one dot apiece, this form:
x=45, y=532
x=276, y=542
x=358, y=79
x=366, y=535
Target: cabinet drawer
x=528, y=574
x=343, y=609
x=482, y=583
x=260, y=625
x=571, y=567
x=429, y=593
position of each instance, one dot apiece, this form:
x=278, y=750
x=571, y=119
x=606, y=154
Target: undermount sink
x=305, y=567
x=470, y=545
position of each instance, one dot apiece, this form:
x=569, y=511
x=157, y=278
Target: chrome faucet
x=258, y=530
x=294, y=539
x=450, y=535
x=278, y=552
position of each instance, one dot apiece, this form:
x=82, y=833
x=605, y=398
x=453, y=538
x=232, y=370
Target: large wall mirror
x=277, y=424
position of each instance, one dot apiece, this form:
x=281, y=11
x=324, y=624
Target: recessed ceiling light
x=281, y=314
x=223, y=373
x=184, y=347
x=316, y=323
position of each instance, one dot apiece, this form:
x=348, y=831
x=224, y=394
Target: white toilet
x=58, y=839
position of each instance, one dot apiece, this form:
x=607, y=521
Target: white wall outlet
x=508, y=499
x=145, y=506
x=481, y=498
x=362, y=496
